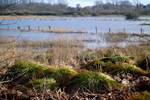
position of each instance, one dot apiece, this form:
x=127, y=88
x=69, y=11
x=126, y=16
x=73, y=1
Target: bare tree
x=98, y=2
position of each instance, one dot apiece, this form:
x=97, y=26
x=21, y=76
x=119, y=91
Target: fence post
x=96, y=29
x=49, y=28
x=109, y=30
x=141, y=31
x=18, y=28
x=29, y=28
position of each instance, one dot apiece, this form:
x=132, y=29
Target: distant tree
x=97, y=3
x=125, y=3
x=78, y=7
x=136, y=2
x=115, y=2
x=62, y=2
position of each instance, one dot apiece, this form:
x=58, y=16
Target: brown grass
x=62, y=52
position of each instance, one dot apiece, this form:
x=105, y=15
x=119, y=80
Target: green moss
x=25, y=71
x=93, y=81
x=119, y=59
x=105, y=62
x=114, y=65
x=63, y=75
x=41, y=84
x=124, y=67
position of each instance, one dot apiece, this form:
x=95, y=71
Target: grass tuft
x=41, y=84
x=93, y=81
x=114, y=65
x=25, y=71
x=63, y=75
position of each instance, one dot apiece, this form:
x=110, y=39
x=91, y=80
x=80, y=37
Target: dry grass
x=116, y=37
x=61, y=53
x=26, y=17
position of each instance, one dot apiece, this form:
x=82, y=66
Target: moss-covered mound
x=63, y=75
x=93, y=81
x=42, y=84
x=114, y=65
x=117, y=59
x=23, y=71
x=124, y=67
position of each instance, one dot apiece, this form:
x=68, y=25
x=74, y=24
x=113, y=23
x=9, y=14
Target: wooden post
x=141, y=31
x=18, y=28
x=29, y=28
x=49, y=28
x=96, y=29
x=109, y=30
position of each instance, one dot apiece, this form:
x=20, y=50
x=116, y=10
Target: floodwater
x=102, y=25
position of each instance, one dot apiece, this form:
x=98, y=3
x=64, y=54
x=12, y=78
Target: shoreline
x=19, y=17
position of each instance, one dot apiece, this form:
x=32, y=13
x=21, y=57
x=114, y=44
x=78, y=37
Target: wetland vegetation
x=74, y=58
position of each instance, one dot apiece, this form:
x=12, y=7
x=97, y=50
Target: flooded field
x=91, y=30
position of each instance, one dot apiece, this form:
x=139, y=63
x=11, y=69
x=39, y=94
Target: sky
x=84, y=3
x=91, y=2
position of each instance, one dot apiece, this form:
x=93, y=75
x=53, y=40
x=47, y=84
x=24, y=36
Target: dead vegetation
x=64, y=71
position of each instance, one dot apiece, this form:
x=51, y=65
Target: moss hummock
x=23, y=71
x=63, y=75
x=114, y=65
x=93, y=81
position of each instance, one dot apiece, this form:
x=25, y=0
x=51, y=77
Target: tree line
x=60, y=7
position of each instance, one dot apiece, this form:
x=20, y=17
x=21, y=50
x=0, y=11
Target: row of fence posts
x=109, y=31
x=49, y=29
x=28, y=28
x=124, y=30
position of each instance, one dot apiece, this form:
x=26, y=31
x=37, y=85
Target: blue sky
x=91, y=2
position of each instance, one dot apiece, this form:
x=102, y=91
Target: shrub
x=132, y=16
x=96, y=82
x=119, y=59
